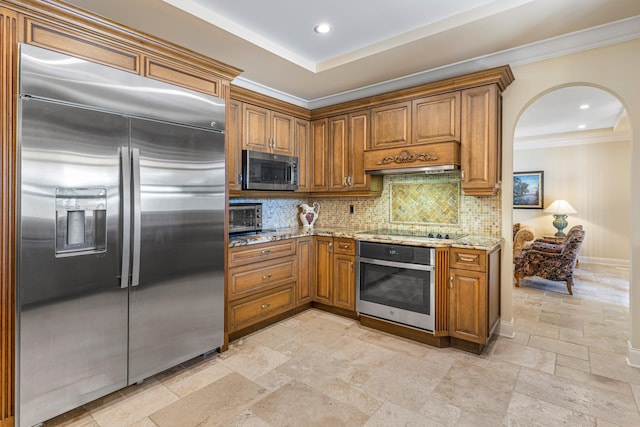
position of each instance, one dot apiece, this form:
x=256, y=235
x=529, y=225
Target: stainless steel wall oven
x=397, y=283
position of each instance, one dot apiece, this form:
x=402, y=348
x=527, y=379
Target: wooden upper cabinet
x=234, y=146
x=301, y=142
x=359, y=139
x=338, y=153
x=186, y=77
x=348, y=138
x=480, y=143
x=256, y=131
x=391, y=125
x=81, y=45
x=282, y=133
x=436, y=118
x=319, y=155
x=267, y=131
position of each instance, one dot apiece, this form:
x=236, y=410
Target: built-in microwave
x=245, y=217
x=264, y=171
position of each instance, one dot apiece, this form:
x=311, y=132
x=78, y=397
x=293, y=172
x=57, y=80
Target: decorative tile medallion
x=426, y=203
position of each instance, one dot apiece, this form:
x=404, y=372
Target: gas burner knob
x=430, y=235
x=446, y=236
x=439, y=236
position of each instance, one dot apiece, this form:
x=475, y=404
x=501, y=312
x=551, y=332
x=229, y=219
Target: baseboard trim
x=606, y=261
x=505, y=329
x=633, y=355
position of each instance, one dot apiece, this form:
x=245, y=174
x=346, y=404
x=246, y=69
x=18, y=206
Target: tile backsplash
x=415, y=201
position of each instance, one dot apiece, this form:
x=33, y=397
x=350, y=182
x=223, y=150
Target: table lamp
x=560, y=209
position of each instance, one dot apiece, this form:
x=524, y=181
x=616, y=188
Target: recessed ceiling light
x=584, y=106
x=582, y=126
x=322, y=28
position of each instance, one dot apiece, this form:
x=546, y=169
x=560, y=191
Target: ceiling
x=375, y=45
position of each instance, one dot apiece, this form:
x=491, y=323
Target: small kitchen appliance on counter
x=245, y=218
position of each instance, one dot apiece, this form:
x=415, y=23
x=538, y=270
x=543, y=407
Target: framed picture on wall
x=528, y=190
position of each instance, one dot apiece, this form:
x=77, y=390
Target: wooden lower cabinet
x=335, y=272
x=248, y=311
x=262, y=282
x=474, y=294
x=323, y=268
x=305, y=261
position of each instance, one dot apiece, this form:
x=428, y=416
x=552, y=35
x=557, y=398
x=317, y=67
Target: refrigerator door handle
x=125, y=166
x=137, y=216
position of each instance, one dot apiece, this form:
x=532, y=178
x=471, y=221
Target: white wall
x=595, y=179
x=613, y=68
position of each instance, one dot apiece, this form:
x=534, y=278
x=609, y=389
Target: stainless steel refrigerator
x=120, y=230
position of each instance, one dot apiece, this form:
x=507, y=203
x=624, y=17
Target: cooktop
x=415, y=233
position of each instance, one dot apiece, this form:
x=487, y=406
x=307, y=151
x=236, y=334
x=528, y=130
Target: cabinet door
x=255, y=129
x=319, y=155
x=182, y=76
x=391, y=125
x=282, y=140
x=359, y=139
x=436, y=118
x=338, y=153
x=301, y=137
x=305, y=270
x=234, y=146
x=480, y=141
x=82, y=45
x=468, y=306
x=344, y=288
x=323, y=270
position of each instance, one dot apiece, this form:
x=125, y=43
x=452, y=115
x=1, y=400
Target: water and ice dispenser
x=81, y=221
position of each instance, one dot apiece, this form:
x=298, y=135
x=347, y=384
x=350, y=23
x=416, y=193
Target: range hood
x=429, y=158
x=435, y=169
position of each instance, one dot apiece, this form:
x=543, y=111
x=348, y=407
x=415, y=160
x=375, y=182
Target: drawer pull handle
x=265, y=251
x=344, y=246
x=266, y=276
x=451, y=282
x=266, y=305
x=466, y=259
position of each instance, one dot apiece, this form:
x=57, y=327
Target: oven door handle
x=406, y=265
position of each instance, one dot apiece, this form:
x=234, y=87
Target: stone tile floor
x=565, y=366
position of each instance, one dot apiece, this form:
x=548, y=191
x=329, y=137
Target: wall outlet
x=351, y=210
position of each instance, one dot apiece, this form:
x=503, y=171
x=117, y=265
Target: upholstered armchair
x=522, y=234
x=555, y=264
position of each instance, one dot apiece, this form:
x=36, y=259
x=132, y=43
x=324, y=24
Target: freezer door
x=177, y=293
x=72, y=313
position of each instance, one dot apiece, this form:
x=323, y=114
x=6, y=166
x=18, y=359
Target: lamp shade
x=560, y=207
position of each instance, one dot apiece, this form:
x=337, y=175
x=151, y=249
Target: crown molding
x=570, y=138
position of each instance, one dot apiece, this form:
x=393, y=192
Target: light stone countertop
x=469, y=242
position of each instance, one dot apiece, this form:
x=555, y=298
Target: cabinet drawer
x=248, y=279
x=246, y=312
x=468, y=259
x=242, y=255
x=344, y=246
